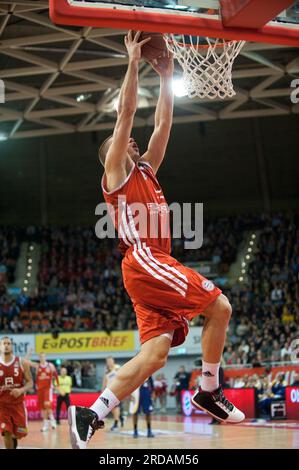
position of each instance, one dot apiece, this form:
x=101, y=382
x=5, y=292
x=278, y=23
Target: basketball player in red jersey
x=165, y=294
x=15, y=381
x=46, y=374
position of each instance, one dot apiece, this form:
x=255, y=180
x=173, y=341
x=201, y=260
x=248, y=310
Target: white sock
x=105, y=403
x=210, y=376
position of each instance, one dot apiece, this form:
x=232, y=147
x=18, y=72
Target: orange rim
x=202, y=46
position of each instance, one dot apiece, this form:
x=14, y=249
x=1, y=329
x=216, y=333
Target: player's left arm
x=34, y=365
x=28, y=377
x=164, y=112
x=55, y=375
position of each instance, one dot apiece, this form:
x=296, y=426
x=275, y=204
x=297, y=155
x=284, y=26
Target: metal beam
x=6, y=19
x=263, y=60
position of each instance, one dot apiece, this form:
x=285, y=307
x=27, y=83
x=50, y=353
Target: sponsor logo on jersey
x=155, y=207
x=1, y=372
x=208, y=285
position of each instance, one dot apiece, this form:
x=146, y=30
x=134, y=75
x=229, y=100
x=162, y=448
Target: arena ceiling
x=64, y=80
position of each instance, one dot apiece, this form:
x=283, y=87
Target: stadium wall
x=56, y=180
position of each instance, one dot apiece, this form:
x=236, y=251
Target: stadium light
x=241, y=278
x=247, y=257
x=179, y=88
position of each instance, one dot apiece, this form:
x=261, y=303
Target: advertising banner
x=85, y=342
x=22, y=344
x=243, y=398
x=292, y=402
x=230, y=375
x=80, y=399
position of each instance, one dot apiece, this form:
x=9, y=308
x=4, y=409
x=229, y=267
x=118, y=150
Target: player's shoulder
x=24, y=362
x=144, y=164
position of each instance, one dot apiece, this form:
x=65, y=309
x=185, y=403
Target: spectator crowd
x=80, y=285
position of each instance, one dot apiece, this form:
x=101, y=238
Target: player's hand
x=164, y=65
x=16, y=392
x=133, y=46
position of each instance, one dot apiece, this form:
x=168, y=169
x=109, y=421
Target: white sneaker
x=46, y=426
x=217, y=405
x=83, y=422
x=53, y=424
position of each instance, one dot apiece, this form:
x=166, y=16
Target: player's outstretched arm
x=116, y=159
x=164, y=112
x=26, y=359
x=55, y=375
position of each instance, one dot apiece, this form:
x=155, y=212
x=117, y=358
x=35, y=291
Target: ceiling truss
x=43, y=73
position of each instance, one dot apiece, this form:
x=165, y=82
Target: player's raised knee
x=225, y=307
x=157, y=360
x=220, y=309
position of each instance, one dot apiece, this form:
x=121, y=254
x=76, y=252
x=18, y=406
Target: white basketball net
x=207, y=70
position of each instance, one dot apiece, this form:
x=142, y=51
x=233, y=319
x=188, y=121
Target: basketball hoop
x=207, y=68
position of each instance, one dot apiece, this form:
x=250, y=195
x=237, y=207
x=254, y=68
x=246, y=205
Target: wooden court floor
x=173, y=432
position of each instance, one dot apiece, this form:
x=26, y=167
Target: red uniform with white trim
x=165, y=293
x=44, y=384
x=13, y=414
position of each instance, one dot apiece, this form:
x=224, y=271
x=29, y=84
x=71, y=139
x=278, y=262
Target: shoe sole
x=214, y=416
x=74, y=436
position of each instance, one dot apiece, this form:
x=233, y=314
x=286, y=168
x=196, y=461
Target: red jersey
x=11, y=376
x=137, y=225
x=45, y=375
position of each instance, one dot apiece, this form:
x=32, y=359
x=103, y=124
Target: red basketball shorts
x=13, y=419
x=45, y=397
x=165, y=294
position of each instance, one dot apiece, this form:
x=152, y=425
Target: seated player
x=15, y=381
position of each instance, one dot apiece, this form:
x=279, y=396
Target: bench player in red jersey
x=15, y=381
x=46, y=377
x=165, y=294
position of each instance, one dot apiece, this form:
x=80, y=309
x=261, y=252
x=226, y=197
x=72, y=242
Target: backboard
x=270, y=21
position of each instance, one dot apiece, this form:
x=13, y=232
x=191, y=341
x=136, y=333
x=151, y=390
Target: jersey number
x=8, y=381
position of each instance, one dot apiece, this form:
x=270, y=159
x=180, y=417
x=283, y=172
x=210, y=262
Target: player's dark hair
x=103, y=150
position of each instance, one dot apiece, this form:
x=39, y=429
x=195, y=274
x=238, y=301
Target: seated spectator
x=278, y=387
x=296, y=381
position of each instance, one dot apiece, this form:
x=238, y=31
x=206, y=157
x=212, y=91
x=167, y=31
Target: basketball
x=154, y=48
